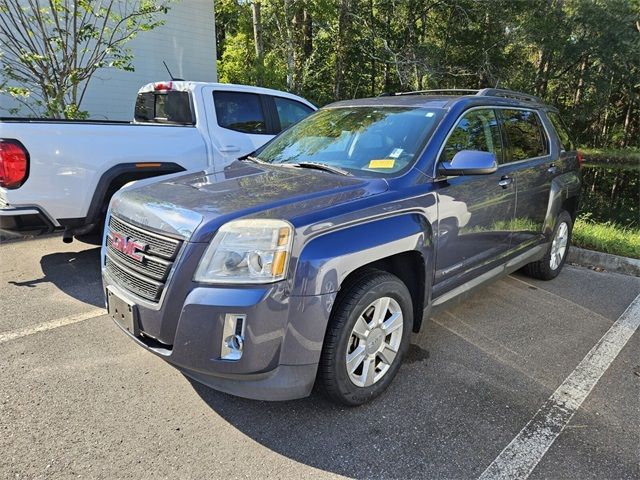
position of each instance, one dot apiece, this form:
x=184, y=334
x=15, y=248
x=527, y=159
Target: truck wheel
x=551, y=264
x=367, y=338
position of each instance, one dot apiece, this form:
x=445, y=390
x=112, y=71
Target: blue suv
x=312, y=260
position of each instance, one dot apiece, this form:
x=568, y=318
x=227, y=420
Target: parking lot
x=78, y=398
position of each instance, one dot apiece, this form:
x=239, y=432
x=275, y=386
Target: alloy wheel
x=374, y=342
x=559, y=245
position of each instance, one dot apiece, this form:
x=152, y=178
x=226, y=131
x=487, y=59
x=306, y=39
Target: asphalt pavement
x=79, y=399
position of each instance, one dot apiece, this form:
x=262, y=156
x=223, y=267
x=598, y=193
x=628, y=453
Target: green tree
x=581, y=55
x=50, y=49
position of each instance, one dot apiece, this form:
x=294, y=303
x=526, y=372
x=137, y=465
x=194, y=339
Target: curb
x=606, y=261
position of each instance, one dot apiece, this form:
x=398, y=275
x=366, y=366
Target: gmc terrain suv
x=314, y=258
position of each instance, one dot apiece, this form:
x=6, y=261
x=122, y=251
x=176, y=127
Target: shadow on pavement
x=75, y=273
x=360, y=442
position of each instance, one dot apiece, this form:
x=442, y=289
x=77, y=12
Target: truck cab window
x=240, y=111
x=290, y=111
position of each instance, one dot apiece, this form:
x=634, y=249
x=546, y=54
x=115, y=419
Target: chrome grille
x=145, y=276
x=159, y=245
x=129, y=280
x=153, y=267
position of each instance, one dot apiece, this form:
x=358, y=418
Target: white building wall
x=186, y=42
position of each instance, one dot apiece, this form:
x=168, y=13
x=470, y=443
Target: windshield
x=369, y=141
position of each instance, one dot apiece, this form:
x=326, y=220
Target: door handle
x=552, y=168
x=505, y=181
x=229, y=149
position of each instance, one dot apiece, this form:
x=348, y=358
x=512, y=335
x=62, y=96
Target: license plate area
x=123, y=313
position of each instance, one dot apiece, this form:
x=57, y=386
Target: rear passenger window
x=290, y=111
x=240, y=111
x=563, y=134
x=476, y=130
x=525, y=133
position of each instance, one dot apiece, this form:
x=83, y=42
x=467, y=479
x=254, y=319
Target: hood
x=181, y=204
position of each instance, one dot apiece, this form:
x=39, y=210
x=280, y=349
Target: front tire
x=367, y=338
x=551, y=264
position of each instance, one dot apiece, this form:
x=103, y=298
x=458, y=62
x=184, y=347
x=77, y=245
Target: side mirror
x=470, y=162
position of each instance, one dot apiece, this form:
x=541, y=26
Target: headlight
x=247, y=251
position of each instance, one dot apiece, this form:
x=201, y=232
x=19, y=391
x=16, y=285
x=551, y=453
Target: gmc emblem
x=127, y=246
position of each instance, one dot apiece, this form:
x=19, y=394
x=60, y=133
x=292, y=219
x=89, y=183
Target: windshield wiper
x=253, y=159
x=322, y=166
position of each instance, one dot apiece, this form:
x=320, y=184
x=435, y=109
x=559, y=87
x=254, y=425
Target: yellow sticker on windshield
x=384, y=163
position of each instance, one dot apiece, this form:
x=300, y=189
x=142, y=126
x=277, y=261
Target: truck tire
x=367, y=338
x=551, y=264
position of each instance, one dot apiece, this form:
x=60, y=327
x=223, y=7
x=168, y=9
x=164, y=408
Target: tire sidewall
x=350, y=392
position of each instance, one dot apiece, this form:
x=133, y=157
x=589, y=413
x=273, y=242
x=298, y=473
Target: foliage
x=607, y=237
x=612, y=193
x=613, y=156
x=50, y=49
x=581, y=55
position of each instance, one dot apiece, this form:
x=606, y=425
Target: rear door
x=474, y=211
x=241, y=124
x=528, y=155
x=244, y=121
x=288, y=111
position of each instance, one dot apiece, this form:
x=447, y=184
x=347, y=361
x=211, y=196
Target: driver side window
x=476, y=130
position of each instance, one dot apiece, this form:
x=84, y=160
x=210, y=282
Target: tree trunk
x=289, y=44
x=373, y=48
x=341, y=50
x=627, y=122
x=308, y=34
x=299, y=47
x=579, y=90
x=257, y=39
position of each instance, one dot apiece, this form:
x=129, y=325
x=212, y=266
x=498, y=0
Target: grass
x=611, y=156
x=607, y=237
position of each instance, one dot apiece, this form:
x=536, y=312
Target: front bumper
x=282, y=344
x=24, y=221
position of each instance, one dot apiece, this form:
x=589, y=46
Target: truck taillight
x=163, y=86
x=14, y=163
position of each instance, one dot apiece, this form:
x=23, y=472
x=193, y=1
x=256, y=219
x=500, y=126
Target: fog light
x=232, y=336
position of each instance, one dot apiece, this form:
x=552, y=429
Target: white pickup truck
x=61, y=174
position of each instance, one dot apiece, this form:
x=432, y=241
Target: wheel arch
x=401, y=245
x=564, y=195
x=116, y=177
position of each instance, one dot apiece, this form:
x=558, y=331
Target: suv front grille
x=143, y=276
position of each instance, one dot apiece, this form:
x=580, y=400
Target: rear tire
x=367, y=338
x=551, y=264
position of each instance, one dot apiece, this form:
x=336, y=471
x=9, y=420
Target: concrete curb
x=606, y=261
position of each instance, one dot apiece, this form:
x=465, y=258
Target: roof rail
x=501, y=92
x=485, y=92
x=440, y=91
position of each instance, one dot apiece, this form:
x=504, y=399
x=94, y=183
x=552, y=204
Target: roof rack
x=484, y=92
x=502, y=92
x=440, y=91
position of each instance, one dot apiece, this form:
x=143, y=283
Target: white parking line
x=42, y=327
x=521, y=456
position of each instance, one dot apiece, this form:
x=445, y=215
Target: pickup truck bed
x=72, y=168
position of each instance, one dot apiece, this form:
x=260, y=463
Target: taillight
x=14, y=163
x=163, y=86
x=580, y=158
